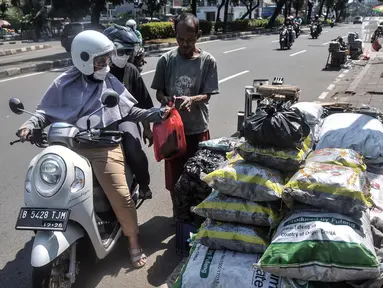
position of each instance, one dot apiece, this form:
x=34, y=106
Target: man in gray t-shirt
x=190, y=74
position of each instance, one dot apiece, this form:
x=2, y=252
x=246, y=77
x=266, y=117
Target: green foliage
x=205, y=26
x=242, y=25
x=151, y=7
x=157, y=30
x=14, y=16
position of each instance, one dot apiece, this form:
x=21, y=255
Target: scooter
x=64, y=204
x=314, y=29
x=285, y=36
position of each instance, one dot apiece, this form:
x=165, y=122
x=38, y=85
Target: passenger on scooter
x=133, y=25
x=77, y=93
x=129, y=75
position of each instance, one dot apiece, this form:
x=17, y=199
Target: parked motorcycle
x=286, y=37
x=64, y=203
x=314, y=31
x=332, y=24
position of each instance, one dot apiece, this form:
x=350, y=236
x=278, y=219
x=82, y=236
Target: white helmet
x=86, y=46
x=132, y=24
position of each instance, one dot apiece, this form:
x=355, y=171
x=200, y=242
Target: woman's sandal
x=136, y=256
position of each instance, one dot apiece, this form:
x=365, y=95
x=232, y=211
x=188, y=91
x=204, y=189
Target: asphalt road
x=240, y=62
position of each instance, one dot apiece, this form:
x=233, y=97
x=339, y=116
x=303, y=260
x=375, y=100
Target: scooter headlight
x=49, y=175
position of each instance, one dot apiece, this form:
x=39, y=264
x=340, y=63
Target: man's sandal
x=136, y=256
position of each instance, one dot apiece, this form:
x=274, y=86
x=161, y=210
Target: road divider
x=7, y=52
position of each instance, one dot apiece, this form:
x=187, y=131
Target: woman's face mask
x=120, y=61
x=101, y=74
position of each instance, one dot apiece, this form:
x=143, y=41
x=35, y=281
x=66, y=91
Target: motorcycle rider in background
x=129, y=75
x=133, y=25
x=289, y=25
x=297, y=25
x=318, y=23
x=71, y=98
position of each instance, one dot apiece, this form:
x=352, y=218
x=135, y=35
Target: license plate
x=42, y=219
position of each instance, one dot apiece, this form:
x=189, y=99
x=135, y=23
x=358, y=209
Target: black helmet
x=124, y=36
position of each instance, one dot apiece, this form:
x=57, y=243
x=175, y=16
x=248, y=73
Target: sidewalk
x=363, y=85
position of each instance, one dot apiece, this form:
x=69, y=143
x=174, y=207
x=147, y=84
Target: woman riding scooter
x=77, y=93
x=129, y=75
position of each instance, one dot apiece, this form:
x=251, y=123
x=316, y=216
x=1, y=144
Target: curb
x=7, y=52
x=40, y=67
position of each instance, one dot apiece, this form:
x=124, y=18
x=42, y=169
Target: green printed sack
x=321, y=246
x=331, y=187
x=338, y=156
x=232, y=236
x=246, y=180
x=287, y=160
x=218, y=206
x=207, y=268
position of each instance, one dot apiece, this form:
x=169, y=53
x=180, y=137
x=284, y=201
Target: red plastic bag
x=169, y=137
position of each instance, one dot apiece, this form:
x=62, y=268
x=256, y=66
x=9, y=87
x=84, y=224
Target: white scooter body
x=83, y=203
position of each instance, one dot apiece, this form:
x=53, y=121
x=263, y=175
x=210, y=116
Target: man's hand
x=166, y=99
x=24, y=134
x=187, y=102
x=147, y=135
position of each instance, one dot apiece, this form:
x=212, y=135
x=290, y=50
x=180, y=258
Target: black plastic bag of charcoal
x=275, y=124
x=190, y=190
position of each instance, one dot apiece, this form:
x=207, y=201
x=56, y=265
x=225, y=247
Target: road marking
x=207, y=42
x=326, y=43
x=331, y=86
x=336, y=80
x=345, y=71
x=337, y=29
x=274, y=41
x=22, y=76
x=341, y=76
x=300, y=52
x=325, y=31
x=233, y=76
x=304, y=36
x=148, y=72
x=238, y=49
x=323, y=95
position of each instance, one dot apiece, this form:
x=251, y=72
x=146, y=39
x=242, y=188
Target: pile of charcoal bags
x=246, y=241
x=190, y=190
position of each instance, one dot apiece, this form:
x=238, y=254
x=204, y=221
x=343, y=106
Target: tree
x=153, y=6
x=74, y=10
x=277, y=11
x=298, y=5
x=219, y=10
x=250, y=5
x=3, y=8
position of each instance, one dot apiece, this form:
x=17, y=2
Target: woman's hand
x=24, y=134
x=147, y=135
x=167, y=110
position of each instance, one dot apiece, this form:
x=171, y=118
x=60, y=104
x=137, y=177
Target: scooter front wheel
x=52, y=275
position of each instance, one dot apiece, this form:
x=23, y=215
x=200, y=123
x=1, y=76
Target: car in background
x=148, y=20
x=72, y=29
x=358, y=20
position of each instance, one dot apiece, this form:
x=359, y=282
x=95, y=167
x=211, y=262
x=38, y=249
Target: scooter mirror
x=110, y=98
x=16, y=106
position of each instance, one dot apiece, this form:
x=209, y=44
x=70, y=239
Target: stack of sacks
x=361, y=133
x=208, y=268
x=330, y=241
x=288, y=133
x=242, y=207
